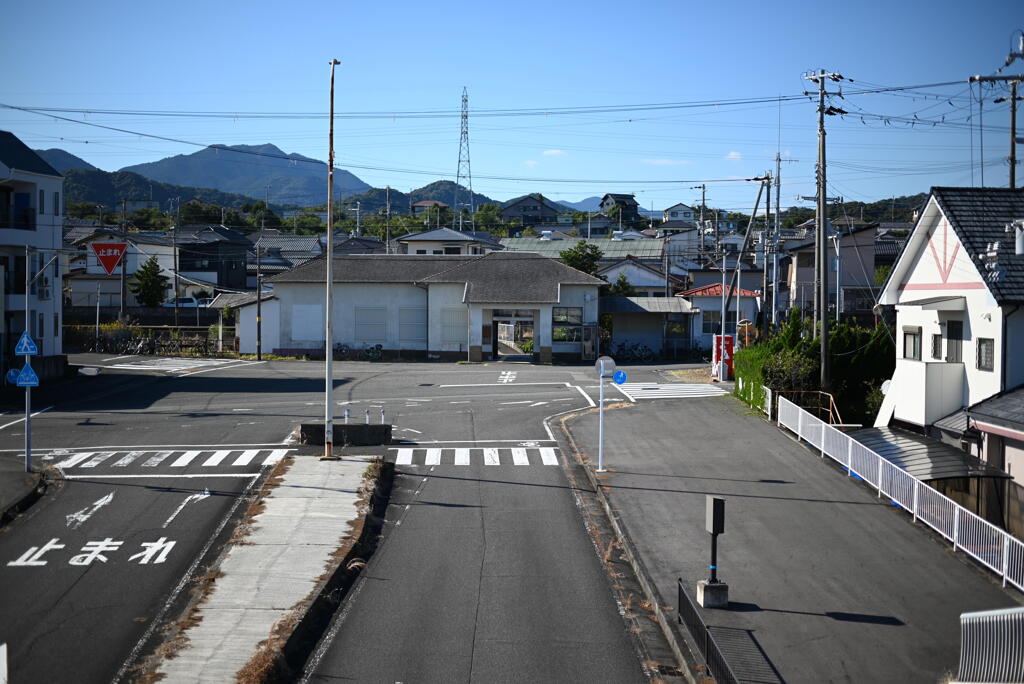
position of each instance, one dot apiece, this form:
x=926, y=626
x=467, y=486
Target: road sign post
x=28, y=379
x=605, y=369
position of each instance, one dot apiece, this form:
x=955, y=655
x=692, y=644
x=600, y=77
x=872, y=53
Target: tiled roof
x=444, y=235
x=539, y=199
x=979, y=217
x=1006, y=409
x=809, y=242
x=494, y=277
x=17, y=155
x=646, y=249
x=715, y=290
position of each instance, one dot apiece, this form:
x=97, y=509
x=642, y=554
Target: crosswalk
x=171, y=460
x=675, y=390
x=515, y=456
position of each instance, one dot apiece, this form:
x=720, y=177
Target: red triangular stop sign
x=109, y=254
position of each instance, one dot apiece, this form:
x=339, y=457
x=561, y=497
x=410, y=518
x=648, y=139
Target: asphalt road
x=499, y=541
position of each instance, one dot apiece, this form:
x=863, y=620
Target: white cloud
x=734, y=155
x=553, y=153
x=665, y=162
x=530, y=163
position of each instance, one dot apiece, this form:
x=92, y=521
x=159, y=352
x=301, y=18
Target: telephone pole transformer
x=464, y=177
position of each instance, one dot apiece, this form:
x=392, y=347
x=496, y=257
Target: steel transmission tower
x=464, y=177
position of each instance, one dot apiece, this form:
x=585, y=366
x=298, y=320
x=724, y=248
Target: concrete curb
x=25, y=501
x=684, y=664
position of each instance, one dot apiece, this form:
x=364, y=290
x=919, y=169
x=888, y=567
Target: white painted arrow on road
x=76, y=519
x=189, y=499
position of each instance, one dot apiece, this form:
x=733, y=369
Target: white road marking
x=76, y=519
x=404, y=457
x=547, y=455
x=462, y=457
x=679, y=390
x=460, y=402
x=491, y=457
x=188, y=499
x=185, y=459
x=499, y=384
x=207, y=370
x=75, y=460
x=22, y=420
x=156, y=460
x=538, y=403
x=509, y=403
x=128, y=458
x=183, y=476
x=275, y=456
x=433, y=457
x=217, y=457
x=519, y=457
x=98, y=458
x=247, y=409
x=246, y=457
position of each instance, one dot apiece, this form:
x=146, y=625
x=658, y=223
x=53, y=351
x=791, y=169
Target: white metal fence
x=994, y=548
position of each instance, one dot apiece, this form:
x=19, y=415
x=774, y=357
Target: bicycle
x=373, y=352
x=341, y=351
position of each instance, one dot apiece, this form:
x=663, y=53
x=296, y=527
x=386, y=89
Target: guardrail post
x=956, y=527
x=849, y=456
x=823, y=440
x=799, y=424
x=878, y=478
x=1006, y=557
x=778, y=416
x=917, y=484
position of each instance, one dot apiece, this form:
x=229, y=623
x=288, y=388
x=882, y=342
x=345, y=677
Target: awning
x=924, y=458
x=645, y=305
x=954, y=303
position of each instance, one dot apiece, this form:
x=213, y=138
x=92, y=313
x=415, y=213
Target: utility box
x=715, y=515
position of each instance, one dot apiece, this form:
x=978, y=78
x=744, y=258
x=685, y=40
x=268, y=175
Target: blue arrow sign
x=27, y=377
x=25, y=346
x=619, y=377
x=12, y=375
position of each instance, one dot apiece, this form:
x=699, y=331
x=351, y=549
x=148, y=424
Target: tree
x=149, y=284
x=622, y=287
x=583, y=257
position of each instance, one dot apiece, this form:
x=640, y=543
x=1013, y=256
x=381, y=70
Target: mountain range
x=258, y=171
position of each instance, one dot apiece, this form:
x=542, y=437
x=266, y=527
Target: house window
x=566, y=333
x=954, y=341
x=986, y=353
x=572, y=315
x=412, y=325
x=804, y=260
x=56, y=204
x=421, y=251
x=452, y=250
x=912, y=343
x=42, y=201
x=438, y=251
x=711, y=321
x=56, y=324
x=936, y=346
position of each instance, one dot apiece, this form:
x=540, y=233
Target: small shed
x=663, y=324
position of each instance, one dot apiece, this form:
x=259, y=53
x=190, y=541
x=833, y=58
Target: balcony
x=927, y=390
x=19, y=219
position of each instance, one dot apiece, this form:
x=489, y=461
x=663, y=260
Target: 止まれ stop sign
x=109, y=254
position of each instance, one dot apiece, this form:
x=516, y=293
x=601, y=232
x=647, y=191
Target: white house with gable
x=958, y=289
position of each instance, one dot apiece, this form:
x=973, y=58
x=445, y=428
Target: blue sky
x=405, y=57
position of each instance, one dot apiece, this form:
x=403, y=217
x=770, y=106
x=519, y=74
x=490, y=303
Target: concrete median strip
x=280, y=560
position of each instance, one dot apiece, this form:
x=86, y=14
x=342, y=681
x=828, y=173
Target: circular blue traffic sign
x=619, y=377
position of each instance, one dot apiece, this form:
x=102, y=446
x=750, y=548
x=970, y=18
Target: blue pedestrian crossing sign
x=27, y=377
x=25, y=346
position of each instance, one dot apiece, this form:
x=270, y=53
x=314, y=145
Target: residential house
x=424, y=206
x=663, y=324
x=446, y=241
x=629, y=210
x=647, y=280
x=31, y=236
x=531, y=210
x=680, y=213
x=433, y=306
x=958, y=290
x=645, y=249
x=707, y=300
x=853, y=268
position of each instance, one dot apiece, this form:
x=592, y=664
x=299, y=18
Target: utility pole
x=821, y=251
x=259, y=306
x=1013, y=99
x=174, y=249
x=387, y=220
x=124, y=274
x=703, y=196
x=766, y=243
x=329, y=328
x=777, y=239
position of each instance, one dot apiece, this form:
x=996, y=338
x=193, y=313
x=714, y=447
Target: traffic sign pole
x=28, y=429
x=600, y=430
x=27, y=378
